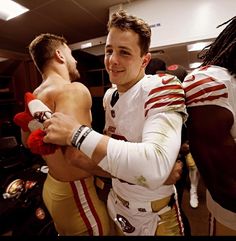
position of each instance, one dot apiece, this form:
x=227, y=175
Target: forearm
x=147, y=163
x=77, y=158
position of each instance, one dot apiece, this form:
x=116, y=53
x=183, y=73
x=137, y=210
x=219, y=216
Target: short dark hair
x=155, y=65
x=43, y=47
x=123, y=21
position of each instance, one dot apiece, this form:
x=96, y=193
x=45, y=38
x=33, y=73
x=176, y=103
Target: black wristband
x=76, y=136
x=83, y=137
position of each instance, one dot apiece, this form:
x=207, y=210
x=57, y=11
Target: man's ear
x=146, y=59
x=59, y=56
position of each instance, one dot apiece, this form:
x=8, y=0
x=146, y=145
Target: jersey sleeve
x=147, y=163
x=206, y=86
x=168, y=95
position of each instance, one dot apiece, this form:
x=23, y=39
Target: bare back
x=73, y=99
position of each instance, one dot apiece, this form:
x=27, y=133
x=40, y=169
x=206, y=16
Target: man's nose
x=114, y=58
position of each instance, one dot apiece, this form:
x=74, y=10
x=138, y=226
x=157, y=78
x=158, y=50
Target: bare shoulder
x=77, y=86
x=74, y=99
x=74, y=91
x=73, y=88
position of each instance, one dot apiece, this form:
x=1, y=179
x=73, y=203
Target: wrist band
x=89, y=143
x=75, y=136
x=81, y=139
x=86, y=140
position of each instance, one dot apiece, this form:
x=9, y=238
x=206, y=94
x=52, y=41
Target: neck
x=127, y=86
x=51, y=73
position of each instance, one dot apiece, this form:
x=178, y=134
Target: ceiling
x=76, y=20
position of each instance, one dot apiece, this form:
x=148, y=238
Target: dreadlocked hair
x=222, y=52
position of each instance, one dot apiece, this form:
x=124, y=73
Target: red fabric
x=28, y=97
x=37, y=146
x=35, y=139
x=22, y=119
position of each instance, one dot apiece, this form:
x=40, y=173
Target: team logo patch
x=125, y=224
x=41, y=116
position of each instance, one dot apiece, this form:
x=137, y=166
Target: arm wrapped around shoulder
x=150, y=162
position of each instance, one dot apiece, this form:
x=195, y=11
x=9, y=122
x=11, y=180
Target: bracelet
x=76, y=134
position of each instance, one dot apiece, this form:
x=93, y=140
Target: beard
x=74, y=76
x=73, y=73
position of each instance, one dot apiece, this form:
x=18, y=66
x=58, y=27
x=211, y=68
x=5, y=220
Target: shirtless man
x=68, y=191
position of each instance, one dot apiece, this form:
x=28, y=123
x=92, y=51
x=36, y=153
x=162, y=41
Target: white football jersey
x=150, y=116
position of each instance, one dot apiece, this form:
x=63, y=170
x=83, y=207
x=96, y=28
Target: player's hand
x=175, y=174
x=59, y=129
